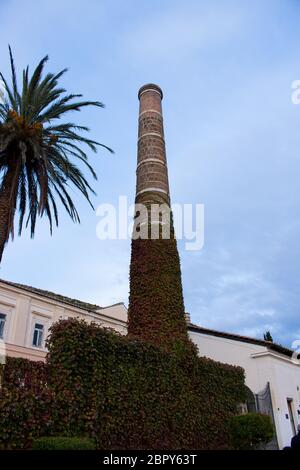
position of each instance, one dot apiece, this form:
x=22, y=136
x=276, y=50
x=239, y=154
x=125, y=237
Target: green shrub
x=132, y=395
x=63, y=443
x=25, y=403
x=250, y=431
x=121, y=393
x=22, y=374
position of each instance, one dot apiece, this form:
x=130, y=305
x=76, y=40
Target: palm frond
x=17, y=97
x=45, y=152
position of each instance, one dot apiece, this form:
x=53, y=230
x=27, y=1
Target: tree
x=268, y=336
x=38, y=154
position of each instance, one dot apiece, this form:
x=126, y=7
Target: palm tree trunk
x=7, y=208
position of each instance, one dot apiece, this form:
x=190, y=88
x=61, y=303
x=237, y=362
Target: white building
x=26, y=314
x=271, y=375
x=273, y=378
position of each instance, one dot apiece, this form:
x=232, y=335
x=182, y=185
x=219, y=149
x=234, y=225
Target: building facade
x=26, y=314
x=271, y=375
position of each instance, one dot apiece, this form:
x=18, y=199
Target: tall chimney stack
x=152, y=171
x=156, y=308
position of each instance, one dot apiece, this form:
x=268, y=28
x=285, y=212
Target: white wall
x=285, y=381
x=261, y=365
x=232, y=352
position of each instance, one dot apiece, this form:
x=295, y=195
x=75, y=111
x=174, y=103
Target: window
x=38, y=335
x=2, y=324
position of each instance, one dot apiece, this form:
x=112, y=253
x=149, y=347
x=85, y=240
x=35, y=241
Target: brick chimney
x=152, y=172
x=156, y=311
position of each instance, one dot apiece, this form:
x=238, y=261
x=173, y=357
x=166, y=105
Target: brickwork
x=152, y=174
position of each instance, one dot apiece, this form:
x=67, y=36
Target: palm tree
x=37, y=153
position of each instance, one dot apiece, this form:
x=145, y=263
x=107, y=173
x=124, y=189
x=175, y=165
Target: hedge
x=25, y=403
x=121, y=393
x=132, y=395
x=22, y=374
x=63, y=443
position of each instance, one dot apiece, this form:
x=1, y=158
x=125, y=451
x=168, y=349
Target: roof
x=57, y=297
x=245, y=339
x=192, y=327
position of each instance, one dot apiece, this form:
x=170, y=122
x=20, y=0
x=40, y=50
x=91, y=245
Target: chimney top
x=150, y=87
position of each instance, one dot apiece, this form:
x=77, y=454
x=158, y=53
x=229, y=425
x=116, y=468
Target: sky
x=233, y=144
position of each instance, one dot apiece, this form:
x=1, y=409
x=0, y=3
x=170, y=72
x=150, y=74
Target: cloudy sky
x=233, y=142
